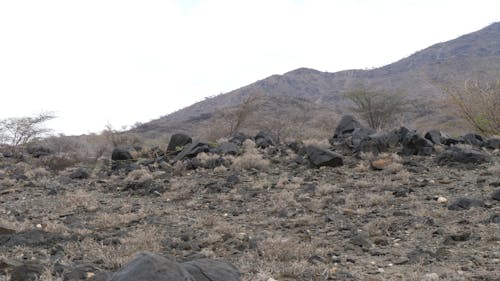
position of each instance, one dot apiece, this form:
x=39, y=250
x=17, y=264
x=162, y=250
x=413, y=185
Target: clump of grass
x=139, y=177
x=250, y=159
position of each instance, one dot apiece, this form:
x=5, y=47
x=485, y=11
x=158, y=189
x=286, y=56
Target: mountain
x=317, y=97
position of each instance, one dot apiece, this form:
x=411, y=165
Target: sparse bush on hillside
x=478, y=104
x=18, y=131
x=234, y=118
x=378, y=109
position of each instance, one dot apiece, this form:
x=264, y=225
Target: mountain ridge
x=471, y=56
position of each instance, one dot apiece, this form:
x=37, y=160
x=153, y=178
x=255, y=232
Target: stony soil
x=283, y=219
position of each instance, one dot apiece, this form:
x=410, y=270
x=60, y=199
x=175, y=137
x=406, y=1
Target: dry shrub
x=60, y=161
x=251, y=158
x=113, y=257
x=323, y=143
x=139, y=176
x=37, y=173
x=327, y=189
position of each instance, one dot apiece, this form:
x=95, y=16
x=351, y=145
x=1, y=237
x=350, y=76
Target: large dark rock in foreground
x=414, y=144
x=464, y=155
x=212, y=270
x=322, y=157
x=263, y=140
x=178, y=141
x=151, y=267
x=192, y=150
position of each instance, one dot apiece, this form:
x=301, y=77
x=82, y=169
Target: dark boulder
x=212, y=270
x=320, y=157
x=38, y=151
x=452, y=141
x=263, y=140
x=374, y=143
x=238, y=138
x=414, y=144
x=120, y=154
x=465, y=204
x=496, y=195
x=359, y=135
x=30, y=238
x=192, y=150
x=435, y=136
x=228, y=148
x=178, y=141
x=464, y=155
x=346, y=126
x=473, y=139
x=151, y=267
x=80, y=173
x=492, y=143
x=298, y=147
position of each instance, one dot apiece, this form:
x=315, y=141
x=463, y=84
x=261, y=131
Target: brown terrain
x=312, y=197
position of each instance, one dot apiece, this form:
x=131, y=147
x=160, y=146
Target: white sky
x=96, y=62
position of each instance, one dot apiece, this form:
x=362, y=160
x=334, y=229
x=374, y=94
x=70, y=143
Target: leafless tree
x=18, y=131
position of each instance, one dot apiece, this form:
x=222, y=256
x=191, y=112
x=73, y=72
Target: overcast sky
x=121, y=62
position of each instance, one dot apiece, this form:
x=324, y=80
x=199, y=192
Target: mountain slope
x=475, y=55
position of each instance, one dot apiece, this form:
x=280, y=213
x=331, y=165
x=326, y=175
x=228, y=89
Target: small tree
x=378, y=109
x=18, y=131
x=478, y=104
x=235, y=117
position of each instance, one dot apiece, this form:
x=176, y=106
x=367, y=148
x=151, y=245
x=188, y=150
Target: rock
x=459, y=154
x=178, y=142
x=346, y=126
x=414, y=144
x=298, y=147
x=496, y=195
x=80, y=173
x=442, y=200
x=31, y=238
x=493, y=143
x=6, y=231
x=86, y=272
x=435, y=136
x=465, y=204
x=361, y=241
x=38, y=151
x=264, y=140
x=151, y=267
x=238, y=139
x=452, y=141
x=26, y=271
x=473, y=139
x=192, y=150
x=228, y=148
x=320, y=157
x=120, y=154
x=212, y=270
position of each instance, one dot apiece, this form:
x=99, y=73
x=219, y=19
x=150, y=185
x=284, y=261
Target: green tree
x=18, y=131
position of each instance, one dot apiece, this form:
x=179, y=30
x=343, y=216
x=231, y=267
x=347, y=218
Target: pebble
x=442, y=200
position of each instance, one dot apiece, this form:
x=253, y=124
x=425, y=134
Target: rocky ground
x=268, y=211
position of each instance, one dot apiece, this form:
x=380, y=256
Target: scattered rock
x=151, y=267
x=346, y=126
x=228, y=148
x=465, y=155
x=473, y=139
x=192, y=150
x=212, y=270
x=238, y=138
x=320, y=157
x=435, y=136
x=80, y=173
x=38, y=151
x=264, y=140
x=493, y=143
x=496, y=195
x=414, y=144
x=442, y=200
x=465, y=204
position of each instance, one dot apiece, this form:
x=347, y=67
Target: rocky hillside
x=418, y=76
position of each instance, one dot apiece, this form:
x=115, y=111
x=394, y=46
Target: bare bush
x=478, y=104
x=378, y=109
x=18, y=131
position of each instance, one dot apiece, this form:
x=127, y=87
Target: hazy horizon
x=94, y=63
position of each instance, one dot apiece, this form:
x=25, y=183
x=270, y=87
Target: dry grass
x=323, y=143
x=139, y=177
x=250, y=159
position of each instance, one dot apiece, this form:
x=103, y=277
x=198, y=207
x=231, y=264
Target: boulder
x=151, y=267
x=264, y=140
x=464, y=155
x=178, y=141
x=414, y=144
x=465, y=204
x=228, y=148
x=212, y=270
x=298, y=147
x=80, y=173
x=473, y=139
x=435, y=136
x=192, y=150
x=120, y=154
x=238, y=138
x=493, y=143
x=496, y=195
x=321, y=157
x=346, y=126
x=38, y=151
